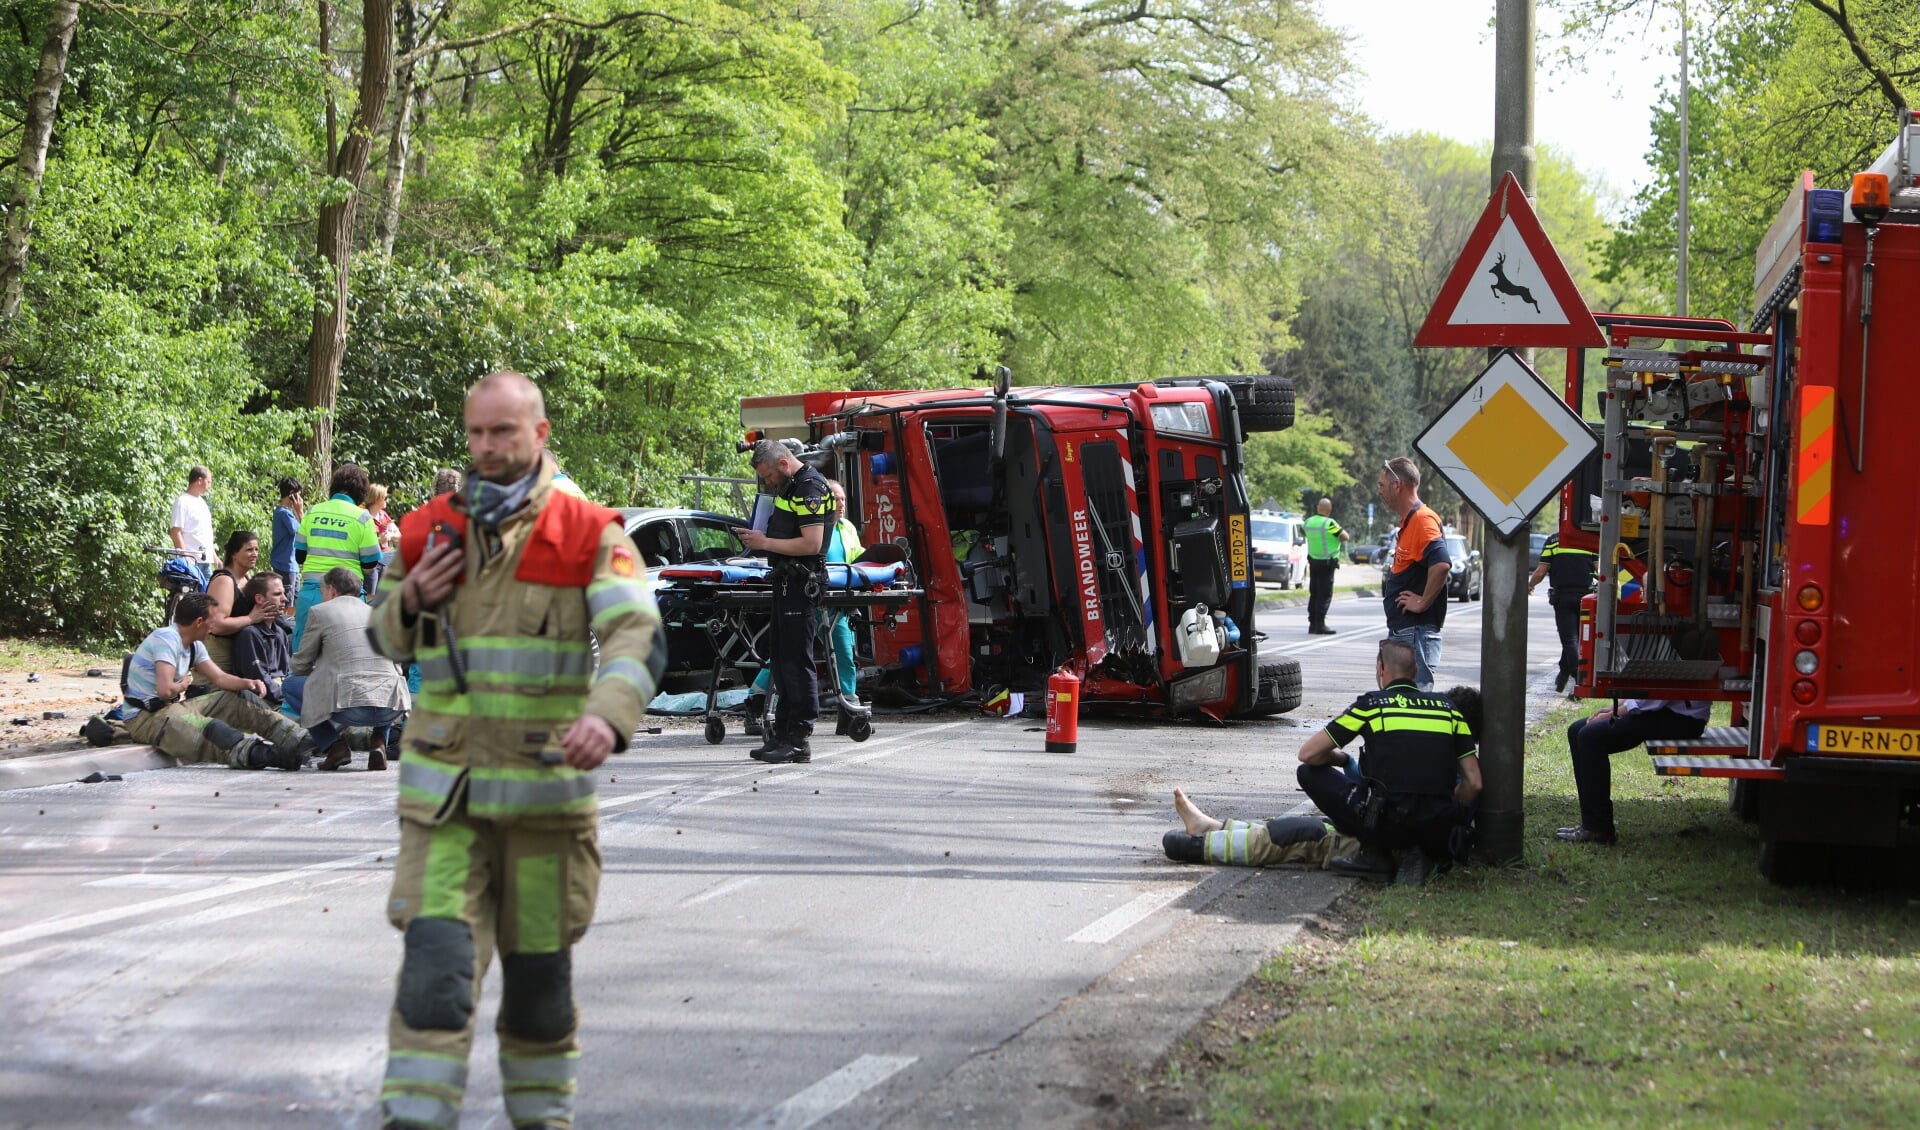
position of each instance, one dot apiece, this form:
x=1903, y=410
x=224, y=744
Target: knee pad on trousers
x=221, y=735
x=436, y=978
x=536, y=998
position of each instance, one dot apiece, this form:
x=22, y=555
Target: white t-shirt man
x=194, y=520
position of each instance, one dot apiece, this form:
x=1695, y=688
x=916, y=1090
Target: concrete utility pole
x=1503, y=637
x=1681, y=305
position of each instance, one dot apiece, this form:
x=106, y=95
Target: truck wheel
x=1266, y=405
x=1743, y=799
x=1279, y=690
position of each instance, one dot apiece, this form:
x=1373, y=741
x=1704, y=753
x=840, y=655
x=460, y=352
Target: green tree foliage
x=1777, y=89
x=652, y=210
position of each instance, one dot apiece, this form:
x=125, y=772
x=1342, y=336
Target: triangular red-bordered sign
x=1509, y=287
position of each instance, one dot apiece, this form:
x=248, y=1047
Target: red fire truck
x=1760, y=489
x=1103, y=529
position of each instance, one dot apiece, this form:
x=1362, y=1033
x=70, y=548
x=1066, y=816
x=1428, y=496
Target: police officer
x=494, y=595
x=1324, y=536
x=1419, y=771
x=1569, y=573
x=795, y=545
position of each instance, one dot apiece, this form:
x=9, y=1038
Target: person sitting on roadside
x=1419, y=773
x=1592, y=742
x=233, y=609
x=264, y=650
x=1308, y=841
x=230, y=726
x=339, y=680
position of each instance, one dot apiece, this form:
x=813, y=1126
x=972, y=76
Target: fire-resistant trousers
x=460, y=890
x=795, y=596
x=1302, y=840
x=180, y=730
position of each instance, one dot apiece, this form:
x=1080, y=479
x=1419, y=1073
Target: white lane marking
x=720, y=890
x=1110, y=926
x=158, y=880
x=64, y=925
x=777, y=774
x=185, y=898
x=831, y=1093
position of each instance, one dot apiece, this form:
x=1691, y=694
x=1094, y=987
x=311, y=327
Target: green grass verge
x=1661, y=982
x=33, y=655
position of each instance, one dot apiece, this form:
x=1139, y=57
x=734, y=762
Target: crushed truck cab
x=1103, y=529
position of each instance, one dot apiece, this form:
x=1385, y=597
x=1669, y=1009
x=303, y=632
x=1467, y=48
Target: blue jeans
x=1425, y=642
x=293, y=694
x=381, y=718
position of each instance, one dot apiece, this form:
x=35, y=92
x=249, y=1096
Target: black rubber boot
x=842, y=718
x=756, y=714
x=1184, y=847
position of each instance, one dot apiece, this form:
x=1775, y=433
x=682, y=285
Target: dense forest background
x=265, y=235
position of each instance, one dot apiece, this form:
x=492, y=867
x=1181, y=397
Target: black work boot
x=768, y=744
x=1416, y=867
x=1184, y=847
x=796, y=748
x=1367, y=863
x=756, y=714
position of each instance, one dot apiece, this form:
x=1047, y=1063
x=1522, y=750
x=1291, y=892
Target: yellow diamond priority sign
x=1507, y=443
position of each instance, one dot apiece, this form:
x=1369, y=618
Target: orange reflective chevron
x=1814, y=485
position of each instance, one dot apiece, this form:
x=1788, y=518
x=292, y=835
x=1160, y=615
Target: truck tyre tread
x=1280, y=688
x=1266, y=405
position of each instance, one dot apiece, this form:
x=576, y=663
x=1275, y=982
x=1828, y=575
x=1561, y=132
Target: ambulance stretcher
x=730, y=603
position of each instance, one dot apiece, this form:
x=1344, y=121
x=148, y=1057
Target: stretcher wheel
x=860, y=727
x=716, y=730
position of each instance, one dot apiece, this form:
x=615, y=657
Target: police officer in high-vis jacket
x=795, y=543
x=494, y=595
x=1569, y=573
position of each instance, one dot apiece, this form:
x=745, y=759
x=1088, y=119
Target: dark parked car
x=1535, y=543
x=1464, y=583
x=1361, y=554
x=670, y=536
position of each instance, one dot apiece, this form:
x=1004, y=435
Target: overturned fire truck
x=1760, y=485
x=1100, y=529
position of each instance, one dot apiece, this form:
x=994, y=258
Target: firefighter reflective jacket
x=520, y=669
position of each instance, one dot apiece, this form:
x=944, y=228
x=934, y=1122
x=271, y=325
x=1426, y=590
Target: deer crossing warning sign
x=1509, y=286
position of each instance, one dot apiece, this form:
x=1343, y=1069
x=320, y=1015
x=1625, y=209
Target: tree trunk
x=335, y=243
x=400, y=140
x=36, y=132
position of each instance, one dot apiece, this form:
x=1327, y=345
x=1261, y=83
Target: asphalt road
x=942, y=926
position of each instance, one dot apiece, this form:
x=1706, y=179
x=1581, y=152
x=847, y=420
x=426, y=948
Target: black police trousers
x=1426, y=822
x=1566, y=617
x=796, y=595
x=1319, y=590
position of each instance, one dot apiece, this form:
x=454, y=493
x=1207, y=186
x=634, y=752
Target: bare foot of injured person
x=1198, y=823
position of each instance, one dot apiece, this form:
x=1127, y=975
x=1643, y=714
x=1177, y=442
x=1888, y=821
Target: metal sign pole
x=1503, y=637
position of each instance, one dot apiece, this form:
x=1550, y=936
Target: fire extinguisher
x=1063, y=711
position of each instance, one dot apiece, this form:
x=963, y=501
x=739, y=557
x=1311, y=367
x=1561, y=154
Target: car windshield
x=1272, y=530
x=1456, y=547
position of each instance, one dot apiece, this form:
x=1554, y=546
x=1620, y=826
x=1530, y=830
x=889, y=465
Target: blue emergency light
x=1826, y=212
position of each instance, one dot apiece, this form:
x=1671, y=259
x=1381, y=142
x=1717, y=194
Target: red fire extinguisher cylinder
x=1063, y=712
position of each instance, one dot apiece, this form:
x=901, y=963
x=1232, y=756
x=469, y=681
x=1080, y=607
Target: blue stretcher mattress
x=753, y=571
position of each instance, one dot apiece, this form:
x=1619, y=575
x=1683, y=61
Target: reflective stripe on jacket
x=524, y=646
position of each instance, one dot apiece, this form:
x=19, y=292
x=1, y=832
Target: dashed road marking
x=831, y=1093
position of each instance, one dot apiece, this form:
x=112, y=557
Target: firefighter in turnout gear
x=494, y=595
x=1569, y=573
x=795, y=544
